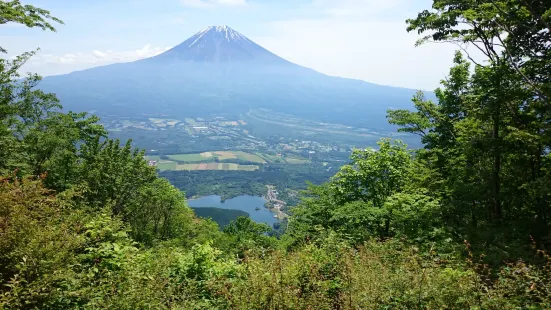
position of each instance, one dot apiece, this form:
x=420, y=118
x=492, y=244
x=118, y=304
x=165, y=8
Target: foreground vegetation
x=222, y=217
x=463, y=222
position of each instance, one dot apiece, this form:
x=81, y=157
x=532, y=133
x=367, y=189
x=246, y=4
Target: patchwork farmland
x=220, y=155
x=164, y=165
x=217, y=166
x=204, y=161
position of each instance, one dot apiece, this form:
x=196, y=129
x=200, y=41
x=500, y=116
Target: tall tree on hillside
x=16, y=96
x=373, y=196
x=70, y=150
x=35, y=137
x=497, y=121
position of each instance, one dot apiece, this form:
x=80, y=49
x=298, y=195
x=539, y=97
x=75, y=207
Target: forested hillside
x=461, y=223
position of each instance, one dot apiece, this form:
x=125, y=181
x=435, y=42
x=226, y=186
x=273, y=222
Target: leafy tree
x=70, y=152
x=159, y=212
x=119, y=177
x=355, y=201
x=48, y=248
x=373, y=175
x=13, y=93
x=245, y=235
x=34, y=135
x=486, y=141
x=28, y=15
x=517, y=27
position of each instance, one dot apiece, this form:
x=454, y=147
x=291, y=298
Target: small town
x=274, y=204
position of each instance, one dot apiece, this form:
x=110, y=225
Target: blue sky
x=362, y=39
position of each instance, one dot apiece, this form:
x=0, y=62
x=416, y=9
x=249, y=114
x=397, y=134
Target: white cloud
x=48, y=64
x=99, y=54
x=99, y=57
x=357, y=39
x=361, y=39
x=212, y=3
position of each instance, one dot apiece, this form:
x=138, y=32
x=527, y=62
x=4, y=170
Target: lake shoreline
x=252, y=205
x=271, y=202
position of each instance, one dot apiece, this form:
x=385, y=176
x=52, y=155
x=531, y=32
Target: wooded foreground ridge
x=461, y=223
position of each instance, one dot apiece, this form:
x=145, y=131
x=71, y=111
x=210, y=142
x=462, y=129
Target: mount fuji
x=220, y=71
x=219, y=44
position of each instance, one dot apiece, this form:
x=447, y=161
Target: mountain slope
x=219, y=44
x=220, y=71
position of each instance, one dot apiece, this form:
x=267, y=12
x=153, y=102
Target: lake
x=244, y=203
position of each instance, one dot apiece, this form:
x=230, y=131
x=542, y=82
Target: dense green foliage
x=230, y=184
x=72, y=156
x=463, y=222
x=222, y=217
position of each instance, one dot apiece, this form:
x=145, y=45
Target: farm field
x=249, y=157
x=190, y=157
x=164, y=122
x=293, y=160
x=296, y=160
x=167, y=165
x=217, y=166
x=153, y=157
x=271, y=158
x=204, y=161
x=220, y=155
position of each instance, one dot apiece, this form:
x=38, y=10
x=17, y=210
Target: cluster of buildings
x=272, y=198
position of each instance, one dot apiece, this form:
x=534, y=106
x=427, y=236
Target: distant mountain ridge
x=221, y=71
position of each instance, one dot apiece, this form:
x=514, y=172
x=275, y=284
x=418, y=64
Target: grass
x=249, y=157
x=372, y=277
x=247, y=167
x=154, y=157
x=221, y=155
x=215, y=166
x=293, y=159
x=224, y=155
x=188, y=157
x=167, y=165
x=271, y=158
x=198, y=161
x=296, y=161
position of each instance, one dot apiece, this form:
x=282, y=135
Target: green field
x=216, y=166
x=165, y=165
x=162, y=164
x=220, y=155
x=189, y=160
x=271, y=158
x=249, y=157
x=296, y=160
x=154, y=157
x=190, y=157
x=292, y=159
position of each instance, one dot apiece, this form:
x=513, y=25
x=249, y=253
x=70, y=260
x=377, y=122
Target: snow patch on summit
x=219, y=31
x=219, y=44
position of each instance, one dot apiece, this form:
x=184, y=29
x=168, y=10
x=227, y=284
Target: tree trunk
x=496, y=171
